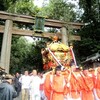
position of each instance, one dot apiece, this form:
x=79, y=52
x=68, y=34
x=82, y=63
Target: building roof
x=92, y=57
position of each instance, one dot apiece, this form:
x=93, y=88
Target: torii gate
x=8, y=29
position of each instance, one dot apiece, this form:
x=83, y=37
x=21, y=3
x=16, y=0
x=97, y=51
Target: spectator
x=25, y=81
x=35, y=86
x=17, y=84
x=7, y=91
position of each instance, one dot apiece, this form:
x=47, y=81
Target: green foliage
x=59, y=9
x=23, y=7
x=34, y=59
x=25, y=55
x=4, y=4
x=90, y=33
x=19, y=51
x=86, y=47
x=91, y=10
x=19, y=6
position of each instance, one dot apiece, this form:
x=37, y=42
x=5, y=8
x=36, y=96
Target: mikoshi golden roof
x=58, y=46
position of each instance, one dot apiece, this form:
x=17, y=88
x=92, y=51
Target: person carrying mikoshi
x=72, y=79
x=87, y=85
x=97, y=84
x=58, y=85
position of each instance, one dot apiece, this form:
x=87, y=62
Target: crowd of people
x=67, y=84
x=73, y=84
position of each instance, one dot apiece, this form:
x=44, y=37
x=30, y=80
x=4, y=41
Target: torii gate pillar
x=64, y=35
x=6, y=45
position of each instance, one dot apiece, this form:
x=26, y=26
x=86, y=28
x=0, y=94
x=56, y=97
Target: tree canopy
x=59, y=9
x=90, y=33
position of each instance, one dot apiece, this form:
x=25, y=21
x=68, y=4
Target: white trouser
x=70, y=98
x=95, y=95
x=35, y=95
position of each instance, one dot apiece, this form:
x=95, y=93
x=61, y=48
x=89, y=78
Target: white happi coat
x=35, y=88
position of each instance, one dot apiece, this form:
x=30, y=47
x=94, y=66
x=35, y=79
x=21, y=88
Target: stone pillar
x=64, y=35
x=6, y=45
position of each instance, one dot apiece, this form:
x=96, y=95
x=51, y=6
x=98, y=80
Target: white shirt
x=25, y=80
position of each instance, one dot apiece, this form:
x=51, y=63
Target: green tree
x=19, y=51
x=26, y=7
x=59, y=9
x=4, y=4
x=34, y=58
x=25, y=55
x=90, y=33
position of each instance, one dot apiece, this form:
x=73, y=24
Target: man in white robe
x=35, y=86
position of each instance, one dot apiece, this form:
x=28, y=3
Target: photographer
x=7, y=91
